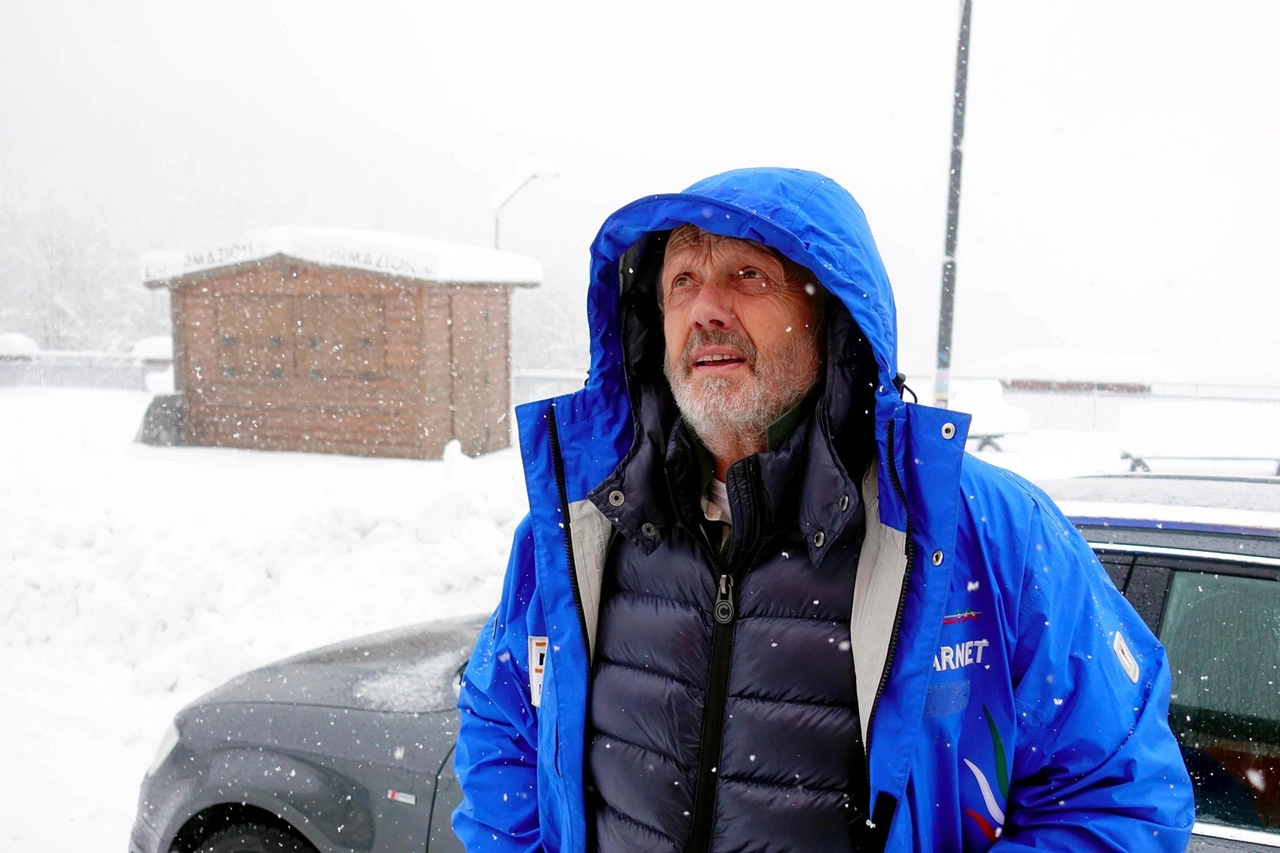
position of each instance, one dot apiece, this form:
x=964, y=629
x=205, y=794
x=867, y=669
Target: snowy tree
x=64, y=281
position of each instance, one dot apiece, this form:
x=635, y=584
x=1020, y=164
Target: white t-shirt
x=716, y=503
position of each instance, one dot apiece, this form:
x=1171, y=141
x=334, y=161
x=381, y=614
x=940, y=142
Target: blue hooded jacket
x=1010, y=698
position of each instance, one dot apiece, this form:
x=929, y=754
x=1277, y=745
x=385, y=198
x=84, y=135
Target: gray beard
x=731, y=421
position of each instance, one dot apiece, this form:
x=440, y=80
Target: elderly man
x=761, y=603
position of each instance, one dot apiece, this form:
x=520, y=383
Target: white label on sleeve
x=538, y=666
x=1121, y=648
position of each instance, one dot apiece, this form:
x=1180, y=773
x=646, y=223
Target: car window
x=1148, y=587
x=1118, y=567
x=1222, y=634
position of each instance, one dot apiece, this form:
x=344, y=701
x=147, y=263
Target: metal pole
x=497, y=213
x=946, y=312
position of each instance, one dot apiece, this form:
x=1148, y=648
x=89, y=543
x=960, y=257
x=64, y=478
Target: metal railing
x=1100, y=409
x=1092, y=409
x=58, y=369
x=61, y=369
x=528, y=384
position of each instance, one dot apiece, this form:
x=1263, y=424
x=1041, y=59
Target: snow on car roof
x=1247, y=503
x=401, y=255
x=1173, y=517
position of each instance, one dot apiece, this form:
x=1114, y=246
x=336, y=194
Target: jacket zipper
x=896, y=479
x=704, y=798
x=725, y=614
x=557, y=461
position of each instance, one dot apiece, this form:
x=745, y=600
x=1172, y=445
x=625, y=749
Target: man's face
x=741, y=342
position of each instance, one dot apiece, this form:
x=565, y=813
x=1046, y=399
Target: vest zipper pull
x=724, y=600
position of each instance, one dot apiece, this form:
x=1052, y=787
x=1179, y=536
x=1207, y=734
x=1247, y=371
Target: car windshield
x=275, y=278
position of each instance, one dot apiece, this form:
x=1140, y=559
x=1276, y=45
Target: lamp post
x=497, y=211
x=942, y=387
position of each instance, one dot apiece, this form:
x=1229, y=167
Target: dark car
x=350, y=747
x=1199, y=559
x=346, y=748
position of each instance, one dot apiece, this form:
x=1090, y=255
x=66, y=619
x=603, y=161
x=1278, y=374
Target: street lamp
x=497, y=211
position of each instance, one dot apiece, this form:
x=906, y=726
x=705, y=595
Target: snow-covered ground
x=136, y=578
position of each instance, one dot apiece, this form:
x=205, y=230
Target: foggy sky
x=1120, y=180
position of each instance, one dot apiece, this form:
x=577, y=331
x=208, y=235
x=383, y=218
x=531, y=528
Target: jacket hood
x=804, y=215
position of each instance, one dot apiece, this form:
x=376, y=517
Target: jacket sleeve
x=1096, y=766
x=496, y=756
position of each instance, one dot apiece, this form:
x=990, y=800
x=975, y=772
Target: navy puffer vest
x=723, y=707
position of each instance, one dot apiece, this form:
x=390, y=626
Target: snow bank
x=992, y=416
x=14, y=344
x=161, y=381
x=189, y=565
x=137, y=578
x=155, y=348
x=983, y=400
x=402, y=255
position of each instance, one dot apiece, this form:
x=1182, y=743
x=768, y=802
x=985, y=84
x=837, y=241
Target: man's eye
x=750, y=273
x=680, y=281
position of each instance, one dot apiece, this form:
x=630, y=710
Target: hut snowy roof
x=399, y=255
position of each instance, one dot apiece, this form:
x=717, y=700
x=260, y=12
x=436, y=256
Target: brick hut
x=336, y=341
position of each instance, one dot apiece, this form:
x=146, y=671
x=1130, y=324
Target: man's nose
x=713, y=307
